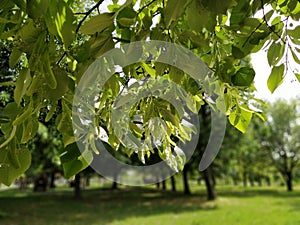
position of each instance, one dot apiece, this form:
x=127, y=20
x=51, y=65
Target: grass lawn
x=148, y=206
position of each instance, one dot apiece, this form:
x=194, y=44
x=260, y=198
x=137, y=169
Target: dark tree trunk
x=164, y=187
x=186, y=187
x=88, y=181
x=211, y=194
x=235, y=182
x=173, y=183
x=289, y=181
x=213, y=178
x=259, y=180
x=157, y=185
x=268, y=180
x=52, y=180
x=245, y=179
x=251, y=182
x=115, y=184
x=77, y=189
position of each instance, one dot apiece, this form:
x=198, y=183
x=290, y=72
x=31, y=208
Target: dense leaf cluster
x=56, y=41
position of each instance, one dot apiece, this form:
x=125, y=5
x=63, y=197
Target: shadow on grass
x=96, y=207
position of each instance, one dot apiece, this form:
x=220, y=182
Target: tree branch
x=87, y=14
x=145, y=6
x=266, y=21
x=256, y=28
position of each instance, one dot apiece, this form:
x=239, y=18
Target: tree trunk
x=115, y=184
x=211, y=194
x=245, y=179
x=52, y=180
x=77, y=189
x=268, y=180
x=186, y=186
x=289, y=181
x=251, y=182
x=157, y=185
x=173, y=183
x=88, y=181
x=259, y=180
x=235, y=181
x=164, y=187
x=213, y=178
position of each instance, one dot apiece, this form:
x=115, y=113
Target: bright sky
x=288, y=89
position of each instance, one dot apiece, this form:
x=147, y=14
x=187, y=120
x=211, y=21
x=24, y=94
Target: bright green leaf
x=275, y=53
x=240, y=119
x=276, y=77
x=22, y=83
x=97, y=23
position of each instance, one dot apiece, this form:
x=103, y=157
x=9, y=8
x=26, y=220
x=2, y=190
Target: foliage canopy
x=54, y=42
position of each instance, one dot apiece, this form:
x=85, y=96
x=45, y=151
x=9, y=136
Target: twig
x=266, y=21
x=145, y=6
x=61, y=58
x=259, y=25
x=87, y=14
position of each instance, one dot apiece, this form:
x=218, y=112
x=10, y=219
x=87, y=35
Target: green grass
x=138, y=206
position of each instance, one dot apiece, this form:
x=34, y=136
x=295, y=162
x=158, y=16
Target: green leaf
x=27, y=112
x=237, y=53
x=97, y=23
x=275, y=53
x=21, y=4
x=63, y=82
x=14, y=57
x=47, y=71
x=8, y=173
x=240, y=12
x=240, y=119
x=168, y=116
x=22, y=83
x=199, y=17
x=218, y=6
x=6, y=4
x=112, y=86
x=73, y=161
x=70, y=152
x=243, y=77
x=30, y=128
x=126, y=17
x=297, y=75
x=297, y=60
x=61, y=21
x=276, y=77
x=174, y=9
x=149, y=70
x=294, y=33
x=36, y=8
x=64, y=125
x=72, y=168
